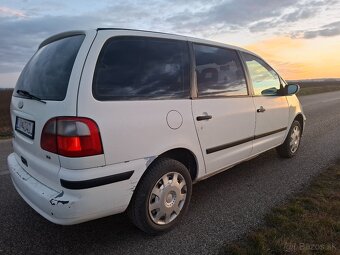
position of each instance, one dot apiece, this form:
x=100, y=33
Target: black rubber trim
x=86, y=184
x=270, y=133
x=229, y=145
x=232, y=144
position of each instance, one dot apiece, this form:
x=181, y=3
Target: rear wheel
x=162, y=197
x=292, y=143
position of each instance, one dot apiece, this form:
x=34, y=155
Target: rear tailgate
x=53, y=75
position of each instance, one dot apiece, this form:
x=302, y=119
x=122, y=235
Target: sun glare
x=301, y=58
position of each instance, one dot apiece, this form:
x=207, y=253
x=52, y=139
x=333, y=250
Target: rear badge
x=20, y=104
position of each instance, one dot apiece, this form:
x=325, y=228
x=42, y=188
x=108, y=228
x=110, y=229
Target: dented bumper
x=71, y=206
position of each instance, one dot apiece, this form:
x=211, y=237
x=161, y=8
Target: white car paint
x=226, y=126
x=275, y=117
x=133, y=134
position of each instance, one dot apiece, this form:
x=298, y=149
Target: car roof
x=183, y=37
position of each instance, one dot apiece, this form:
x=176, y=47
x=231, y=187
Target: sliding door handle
x=261, y=109
x=203, y=117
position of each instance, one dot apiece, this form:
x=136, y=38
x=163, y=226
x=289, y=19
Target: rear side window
x=219, y=72
x=142, y=68
x=48, y=72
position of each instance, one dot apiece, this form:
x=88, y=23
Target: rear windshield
x=48, y=72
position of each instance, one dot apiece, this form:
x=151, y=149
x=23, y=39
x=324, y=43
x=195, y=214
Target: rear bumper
x=69, y=206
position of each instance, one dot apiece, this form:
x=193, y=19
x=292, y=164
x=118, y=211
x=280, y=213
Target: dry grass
x=5, y=120
x=309, y=88
x=308, y=224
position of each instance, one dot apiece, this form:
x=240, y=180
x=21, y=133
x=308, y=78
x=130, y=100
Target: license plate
x=25, y=127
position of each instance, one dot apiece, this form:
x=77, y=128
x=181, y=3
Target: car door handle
x=203, y=117
x=261, y=109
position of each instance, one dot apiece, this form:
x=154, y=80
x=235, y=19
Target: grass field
x=307, y=224
x=307, y=88
x=5, y=121
x=310, y=87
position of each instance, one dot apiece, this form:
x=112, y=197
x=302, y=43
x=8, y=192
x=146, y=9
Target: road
x=223, y=207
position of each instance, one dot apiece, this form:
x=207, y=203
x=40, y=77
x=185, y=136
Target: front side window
x=142, y=68
x=265, y=80
x=219, y=72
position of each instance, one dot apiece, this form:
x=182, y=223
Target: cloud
x=300, y=11
x=22, y=31
x=228, y=15
x=332, y=29
x=21, y=37
x=239, y=15
x=5, y=11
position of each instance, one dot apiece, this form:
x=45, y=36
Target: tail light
x=71, y=137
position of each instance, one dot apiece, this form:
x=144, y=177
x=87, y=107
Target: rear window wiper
x=29, y=95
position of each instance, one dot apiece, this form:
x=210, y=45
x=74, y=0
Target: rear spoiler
x=61, y=36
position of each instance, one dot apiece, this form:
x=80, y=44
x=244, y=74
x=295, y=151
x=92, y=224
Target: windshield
x=47, y=74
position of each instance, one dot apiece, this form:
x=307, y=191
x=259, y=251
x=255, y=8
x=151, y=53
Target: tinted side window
x=142, y=68
x=265, y=80
x=219, y=72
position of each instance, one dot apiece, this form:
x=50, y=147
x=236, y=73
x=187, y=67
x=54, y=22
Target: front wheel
x=292, y=143
x=162, y=197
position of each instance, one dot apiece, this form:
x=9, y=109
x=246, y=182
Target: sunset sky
x=300, y=38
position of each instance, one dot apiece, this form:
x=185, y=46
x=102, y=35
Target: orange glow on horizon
x=301, y=58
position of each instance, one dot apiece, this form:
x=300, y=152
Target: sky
x=299, y=38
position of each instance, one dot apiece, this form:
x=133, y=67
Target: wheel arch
x=183, y=155
x=299, y=117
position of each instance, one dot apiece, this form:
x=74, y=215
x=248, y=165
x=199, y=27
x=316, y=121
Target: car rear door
x=223, y=112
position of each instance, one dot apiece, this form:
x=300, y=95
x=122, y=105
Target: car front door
x=223, y=111
x=272, y=109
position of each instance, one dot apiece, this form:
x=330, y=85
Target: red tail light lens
x=48, y=139
x=71, y=137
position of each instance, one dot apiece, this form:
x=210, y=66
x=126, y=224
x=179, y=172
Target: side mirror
x=291, y=89
x=270, y=92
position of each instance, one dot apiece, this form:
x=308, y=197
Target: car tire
x=292, y=142
x=161, y=197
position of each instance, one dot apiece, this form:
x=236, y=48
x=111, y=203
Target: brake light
x=71, y=137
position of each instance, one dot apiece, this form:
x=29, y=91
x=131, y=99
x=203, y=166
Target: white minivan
x=110, y=120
